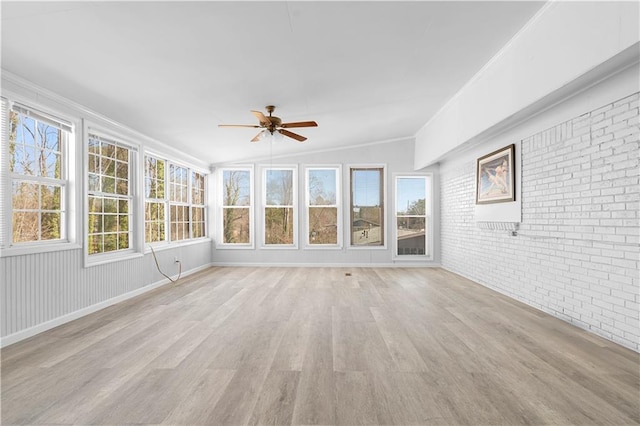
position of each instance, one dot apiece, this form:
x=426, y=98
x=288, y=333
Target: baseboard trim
x=48, y=325
x=403, y=264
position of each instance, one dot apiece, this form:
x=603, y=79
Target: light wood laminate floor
x=313, y=346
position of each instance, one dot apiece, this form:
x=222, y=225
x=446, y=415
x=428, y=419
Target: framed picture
x=495, y=176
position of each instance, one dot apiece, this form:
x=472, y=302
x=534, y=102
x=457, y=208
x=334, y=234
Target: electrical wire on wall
x=165, y=275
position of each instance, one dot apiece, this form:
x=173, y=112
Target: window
x=110, y=195
x=178, y=202
x=279, y=192
x=367, y=206
x=38, y=158
x=175, y=207
x=411, y=215
x=236, y=197
x=155, y=205
x=323, y=206
x=197, y=205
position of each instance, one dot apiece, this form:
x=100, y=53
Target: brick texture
x=577, y=252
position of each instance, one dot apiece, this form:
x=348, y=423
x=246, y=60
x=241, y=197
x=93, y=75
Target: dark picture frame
x=496, y=177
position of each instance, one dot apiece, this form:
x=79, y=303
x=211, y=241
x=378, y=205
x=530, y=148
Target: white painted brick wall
x=577, y=253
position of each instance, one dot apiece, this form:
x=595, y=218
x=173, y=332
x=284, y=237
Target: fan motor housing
x=275, y=121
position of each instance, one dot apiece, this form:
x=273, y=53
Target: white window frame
x=194, y=206
x=220, y=208
x=162, y=201
x=180, y=203
x=338, y=206
x=136, y=206
x=348, y=211
x=68, y=180
x=428, y=177
x=168, y=242
x=294, y=207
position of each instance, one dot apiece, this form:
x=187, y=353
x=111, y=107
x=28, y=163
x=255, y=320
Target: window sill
x=176, y=244
x=235, y=246
x=280, y=247
x=103, y=259
x=414, y=257
x=323, y=247
x=363, y=247
x=36, y=249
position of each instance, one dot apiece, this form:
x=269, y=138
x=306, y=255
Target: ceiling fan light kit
x=273, y=126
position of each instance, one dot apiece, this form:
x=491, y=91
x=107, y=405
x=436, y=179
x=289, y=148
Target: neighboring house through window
x=412, y=206
x=367, y=206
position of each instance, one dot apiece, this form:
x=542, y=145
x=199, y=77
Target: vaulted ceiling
x=365, y=71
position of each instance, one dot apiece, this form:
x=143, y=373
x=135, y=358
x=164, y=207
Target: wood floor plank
x=383, y=346
x=315, y=398
x=277, y=398
x=355, y=400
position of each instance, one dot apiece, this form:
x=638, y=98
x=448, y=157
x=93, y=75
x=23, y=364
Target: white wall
x=562, y=43
x=42, y=290
x=398, y=158
x=576, y=255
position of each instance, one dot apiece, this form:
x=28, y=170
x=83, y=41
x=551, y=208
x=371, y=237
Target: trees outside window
x=198, y=228
x=236, y=195
x=323, y=205
x=175, y=202
x=37, y=161
x=279, y=191
x=154, y=205
x=109, y=195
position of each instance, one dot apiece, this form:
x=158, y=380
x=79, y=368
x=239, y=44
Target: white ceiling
x=365, y=71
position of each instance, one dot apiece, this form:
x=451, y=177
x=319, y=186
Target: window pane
x=94, y=145
x=122, y=170
x=322, y=187
x=365, y=187
x=108, y=150
x=278, y=225
x=50, y=224
x=96, y=244
x=236, y=188
x=179, y=222
x=110, y=205
x=95, y=223
x=323, y=227
x=95, y=204
x=410, y=196
x=110, y=242
x=279, y=187
x=236, y=226
x=108, y=219
x=197, y=188
x=367, y=209
x=411, y=235
x=366, y=226
x=50, y=197
x=123, y=241
x=25, y=227
x=25, y=195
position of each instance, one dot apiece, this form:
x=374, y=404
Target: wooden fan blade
x=292, y=135
x=299, y=124
x=263, y=119
x=256, y=138
x=253, y=126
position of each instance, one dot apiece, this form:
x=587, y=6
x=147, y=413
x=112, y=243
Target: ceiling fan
x=272, y=124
